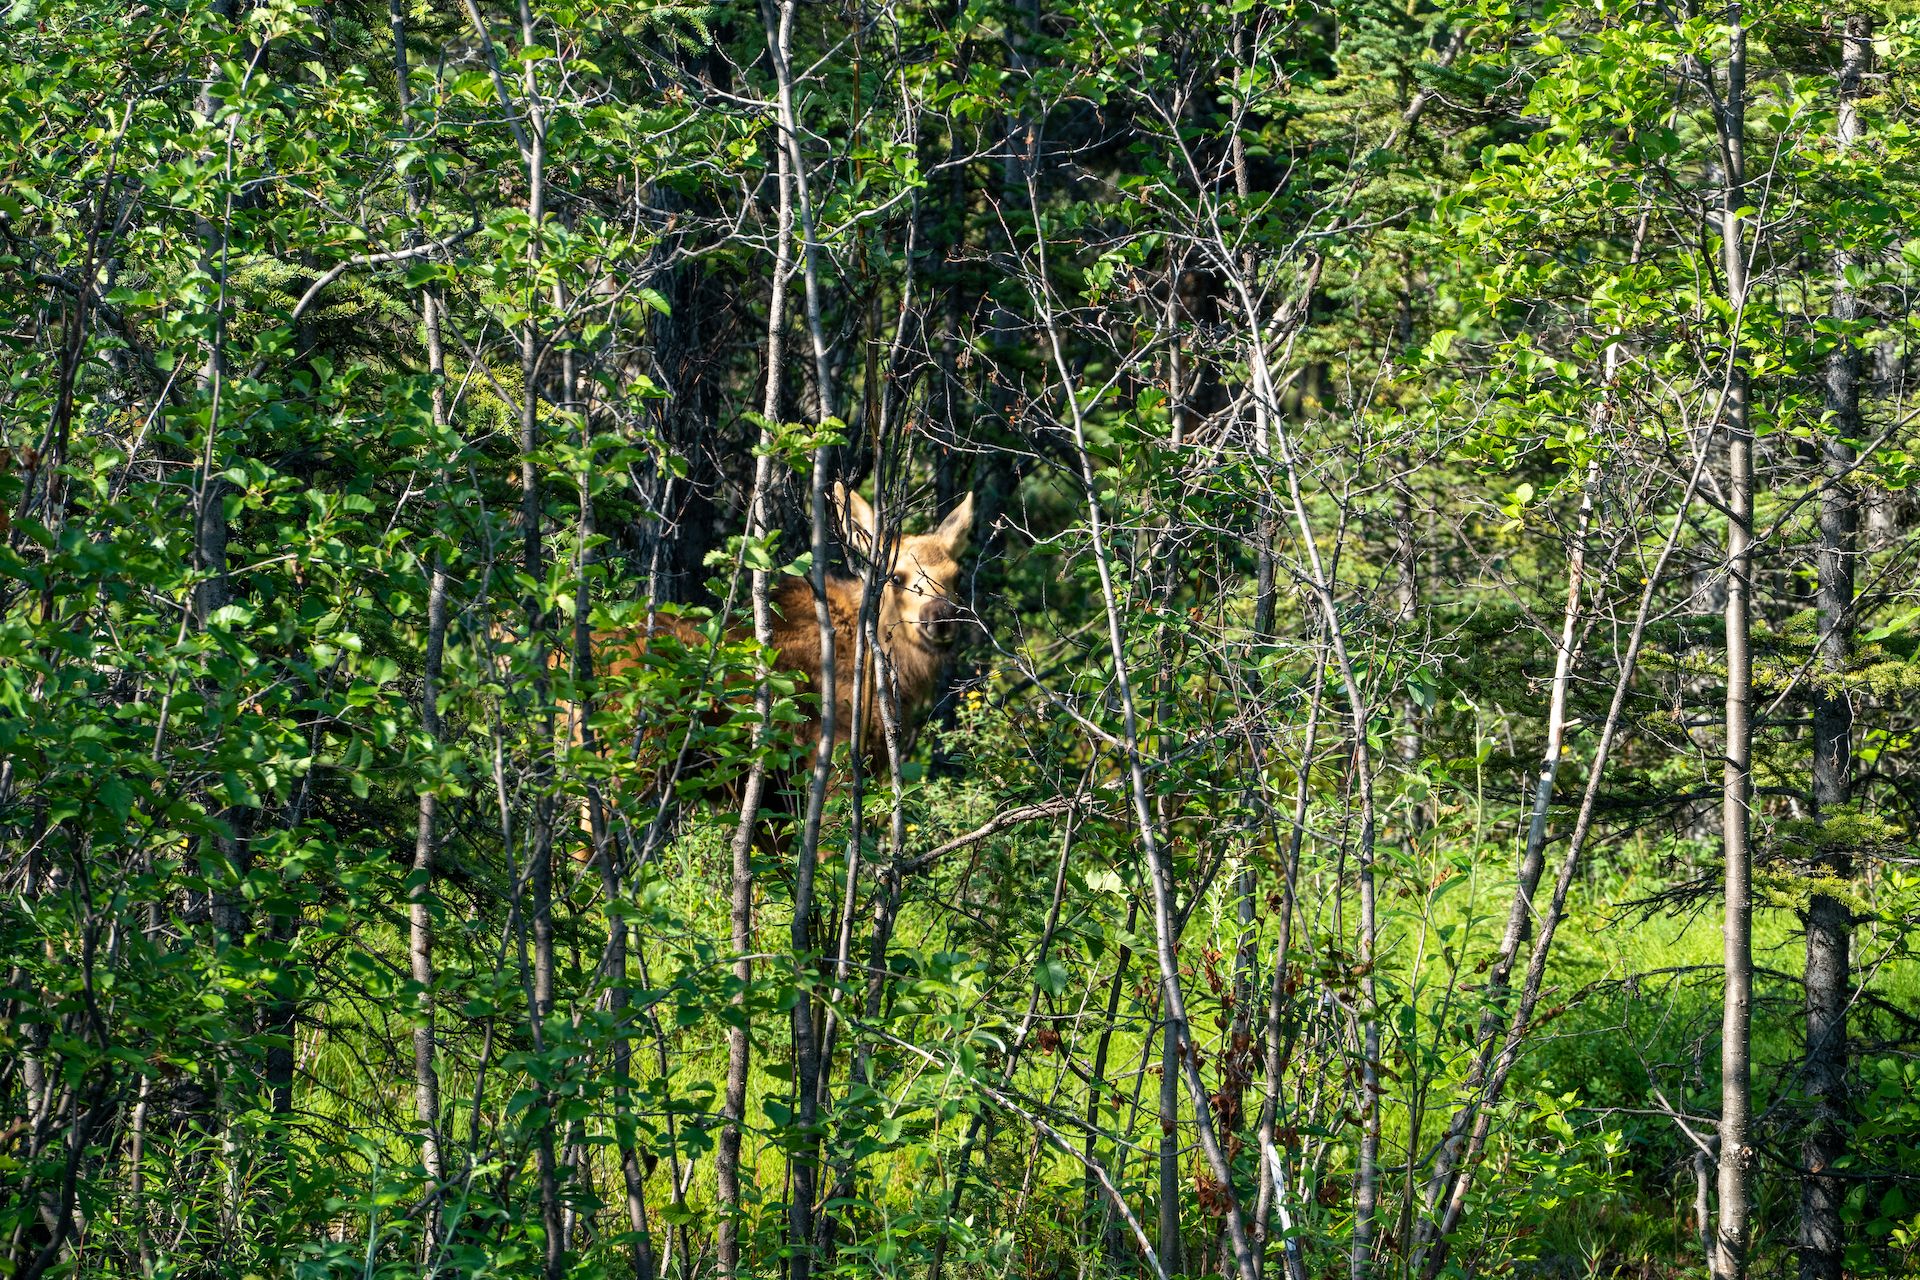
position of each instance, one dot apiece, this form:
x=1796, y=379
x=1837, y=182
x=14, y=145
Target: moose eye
x=900, y=581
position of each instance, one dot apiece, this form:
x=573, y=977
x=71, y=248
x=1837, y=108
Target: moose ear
x=855, y=519
x=957, y=529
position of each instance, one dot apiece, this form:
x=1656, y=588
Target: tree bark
x=426, y=1087
x=1272, y=1192
x=804, y=1165
x=1520, y=912
x=1169, y=1163
x=528, y=124
x=213, y=592
x=740, y=912
x=1098, y=1088
x=1827, y=978
x=613, y=963
x=1731, y=1237
x=1158, y=863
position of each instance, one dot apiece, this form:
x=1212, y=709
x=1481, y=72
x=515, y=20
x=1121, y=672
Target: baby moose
x=917, y=621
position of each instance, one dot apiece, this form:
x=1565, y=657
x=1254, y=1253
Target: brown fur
x=918, y=618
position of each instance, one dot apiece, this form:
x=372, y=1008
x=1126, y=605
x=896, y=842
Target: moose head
x=919, y=608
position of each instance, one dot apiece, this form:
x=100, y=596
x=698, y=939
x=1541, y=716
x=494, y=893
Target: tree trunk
x=212, y=592
x=1098, y=1090
x=1731, y=1237
x=1158, y=859
x=804, y=1164
x=740, y=914
x=426, y=1086
x=528, y=122
x=1829, y=923
x=1520, y=912
x=1273, y=1192
x=1168, y=1241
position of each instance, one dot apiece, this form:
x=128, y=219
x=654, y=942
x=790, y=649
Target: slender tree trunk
x=1097, y=1086
x=1236, y=1063
x=1829, y=922
x=1406, y=599
x=1156, y=857
x=1703, y=1200
x=528, y=122
x=213, y=591
x=137, y=1176
x=1533, y=863
x=426, y=1087
x=1521, y=1019
x=861, y=668
x=804, y=1166
x=1180, y=399
x=1736, y=1153
x=1272, y=1193
x=1169, y=1242
x=1520, y=912
x=740, y=913
x=420, y=899
x=740, y=922
x=614, y=957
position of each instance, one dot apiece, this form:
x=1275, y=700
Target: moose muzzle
x=940, y=621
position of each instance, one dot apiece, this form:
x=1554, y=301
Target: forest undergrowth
x=1001, y=638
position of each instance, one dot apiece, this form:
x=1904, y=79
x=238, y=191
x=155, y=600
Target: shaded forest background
x=1427, y=788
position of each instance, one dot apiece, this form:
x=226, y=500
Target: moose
x=917, y=620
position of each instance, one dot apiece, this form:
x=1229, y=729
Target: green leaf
x=1052, y=977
